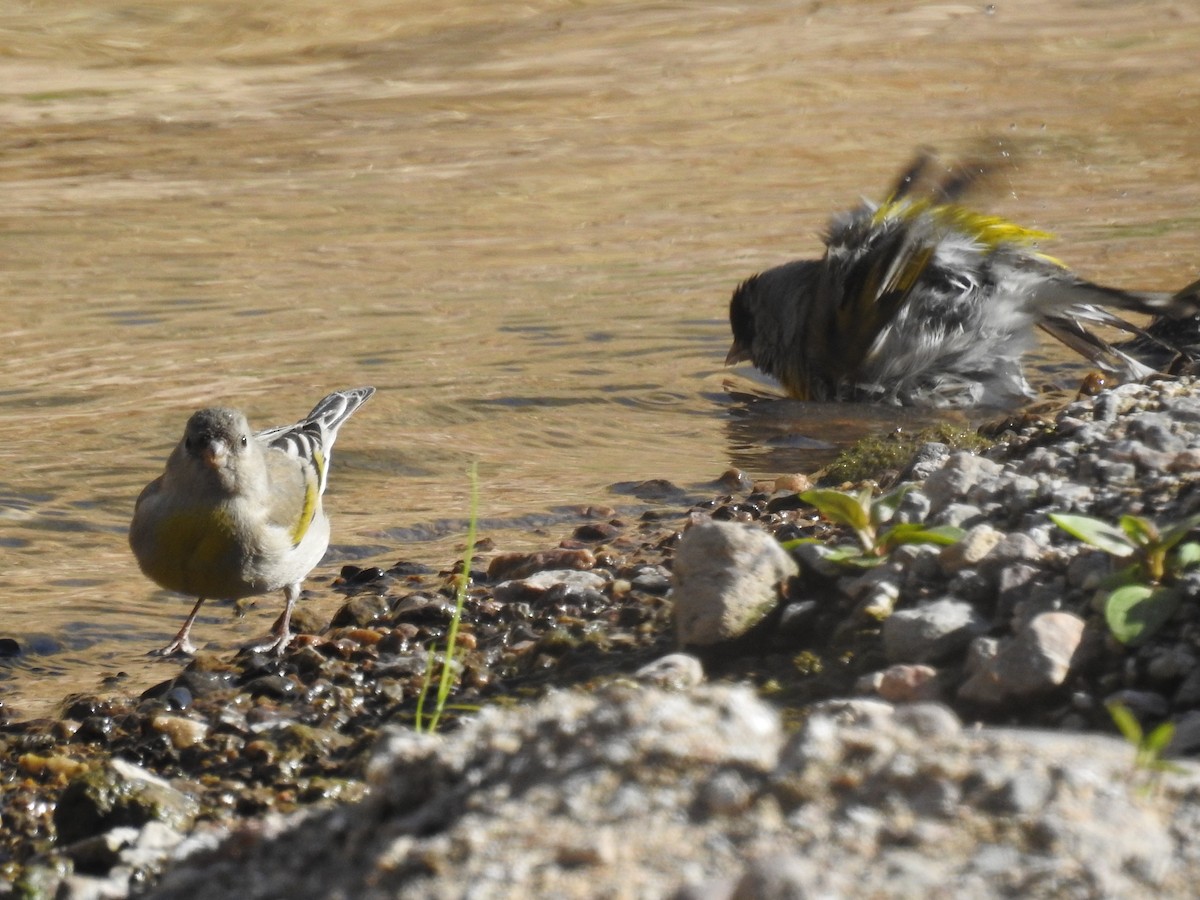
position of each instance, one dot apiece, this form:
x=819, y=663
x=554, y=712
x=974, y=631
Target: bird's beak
x=737, y=353
x=213, y=454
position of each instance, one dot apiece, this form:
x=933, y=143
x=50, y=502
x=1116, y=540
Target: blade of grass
x=446, y=678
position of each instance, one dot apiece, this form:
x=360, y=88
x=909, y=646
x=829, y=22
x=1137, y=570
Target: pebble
x=727, y=578
x=119, y=793
x=908, y=684
x=181, y=731
x=1035, y=660
x=932, y=631
x=508, y=566
x=976, y=545
x=960, y=473
x=536, y=586
x=675, y=671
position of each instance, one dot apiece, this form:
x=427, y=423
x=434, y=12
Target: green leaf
x=1136, y=611
x=1141, y=531
x=1187, y=555
x=1096, y=532
x=1126, y=722
x=917, y=533
x=1157, y=740
x=885, y=507
x=796, y=542
x=1179, y=531
x=839, y=507
x=1131, y=574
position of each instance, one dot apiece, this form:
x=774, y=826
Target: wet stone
x=596, y=532
x=651, y=579
x=421, y=609
x=182, y=732
x=510, y=566
x=354, y=576
x=364, y=609
x=119, y=793
x=557, y=583
x=277, y=686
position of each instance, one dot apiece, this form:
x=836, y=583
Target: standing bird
x=921, y=301
x=236, y=513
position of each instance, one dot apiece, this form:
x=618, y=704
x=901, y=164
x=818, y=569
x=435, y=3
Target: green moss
x=875, y=456
x=808, y=663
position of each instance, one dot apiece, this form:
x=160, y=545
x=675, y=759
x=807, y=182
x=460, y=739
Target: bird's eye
x=243, y=440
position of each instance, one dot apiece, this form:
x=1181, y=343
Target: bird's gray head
x=218, y=440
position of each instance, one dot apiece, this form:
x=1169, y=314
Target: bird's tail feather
x=1109, y=358
x=335, y=409
x=1183, y=306
x=314, y=435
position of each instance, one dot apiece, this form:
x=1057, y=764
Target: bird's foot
x=275, y=644
x=181, y=646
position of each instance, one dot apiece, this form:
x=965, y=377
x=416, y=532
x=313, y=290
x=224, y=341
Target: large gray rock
x=727, y=577
x=637, y=792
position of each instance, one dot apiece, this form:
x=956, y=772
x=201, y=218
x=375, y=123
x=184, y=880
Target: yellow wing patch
x=989, y=231
x=312, y=496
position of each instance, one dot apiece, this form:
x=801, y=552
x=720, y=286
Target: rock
x=975, y=546
x=952, y=481
x=789, y=877
x=509, y=566
x=597, y=532
x=1171, y=663
x=726, y=579
x=1143, y=704
x=1185, y=741
x=119, y=793
x=1187, y=695
x=675, y=671
x=929, y=720
x=361, y=610
x=931, y=631
x=1037, y=659
x=908, y=684
x=962, y=515
x=561, y=581
x=181, y=731
x=651, y=579
x=795, y=484
x=116, y=863
x=928, y=458
x=864, y=800
x=100, y=852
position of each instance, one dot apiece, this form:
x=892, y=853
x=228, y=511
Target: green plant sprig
x=1144, y=595
x=1148, y=749
x=429, y=724
x=868, y=518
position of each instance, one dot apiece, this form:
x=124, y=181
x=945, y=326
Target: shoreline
x=998, y=629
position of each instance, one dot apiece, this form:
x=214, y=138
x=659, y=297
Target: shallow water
x=521, y=222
